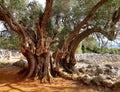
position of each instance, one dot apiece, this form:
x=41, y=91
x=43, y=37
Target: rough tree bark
x=67, y=59
x=67, y=51
x=36, y=47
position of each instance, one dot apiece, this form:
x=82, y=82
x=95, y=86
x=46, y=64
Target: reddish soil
x=9, y=82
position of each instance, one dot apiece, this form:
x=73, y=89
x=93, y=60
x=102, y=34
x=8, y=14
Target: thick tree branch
x=47, y=12
x=111, y=35
x=78, y=39
x=108, y=31
x=43, y=44
x=79, y=26
x=41, y=22
x=6, y=16
x=27, y=38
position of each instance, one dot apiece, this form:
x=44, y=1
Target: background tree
x=73, y=23
x=89, y=44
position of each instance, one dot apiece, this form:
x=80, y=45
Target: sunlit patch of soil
x=10, y=82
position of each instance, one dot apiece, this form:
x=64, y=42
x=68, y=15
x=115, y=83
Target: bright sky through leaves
x=40, y=1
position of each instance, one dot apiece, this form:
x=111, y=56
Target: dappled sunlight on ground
x=10, y=82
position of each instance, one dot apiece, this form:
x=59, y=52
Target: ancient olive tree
x=36, y=43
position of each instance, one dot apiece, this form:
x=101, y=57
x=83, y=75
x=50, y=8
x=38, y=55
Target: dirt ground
x=9, y=82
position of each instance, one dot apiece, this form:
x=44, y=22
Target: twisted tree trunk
x=36, y=47
x=67, y=51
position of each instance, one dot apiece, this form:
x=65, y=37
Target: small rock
x=109, y=66
x=100, y=70
x=107, y=71
x=87, y=79
x=102, y=76
x=97, y=80
x=108, y=83
x=83, y=60
x=74, y=76
x=90, y=66
x=20, y=63
x=82, y=70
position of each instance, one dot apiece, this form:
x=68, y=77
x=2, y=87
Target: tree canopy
x=65, y=16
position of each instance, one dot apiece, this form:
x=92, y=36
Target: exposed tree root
x=63, y=74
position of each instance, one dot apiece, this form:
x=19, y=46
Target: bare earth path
x=9, y=83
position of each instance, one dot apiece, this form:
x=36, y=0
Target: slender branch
x=111, y=35
x=116, y=16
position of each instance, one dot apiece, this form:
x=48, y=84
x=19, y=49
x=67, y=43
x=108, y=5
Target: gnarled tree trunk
x=36, y=47
x=67, y=51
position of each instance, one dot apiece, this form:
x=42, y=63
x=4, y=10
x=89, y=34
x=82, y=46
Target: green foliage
x=11, y=43
x=109, y=50
x=23, y=10
x=102, y=50
x=69, y=13
x=26, y=13
x=62, y=6
x=14, y=4
x=30, y=13
x=78, y=50
x=63, y=33
x=49, y=28
x=89, y=43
